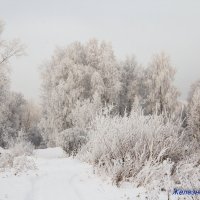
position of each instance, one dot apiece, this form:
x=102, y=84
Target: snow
x=61, y=178
x=49, y=153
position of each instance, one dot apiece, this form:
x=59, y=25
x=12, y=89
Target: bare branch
x=9, y=50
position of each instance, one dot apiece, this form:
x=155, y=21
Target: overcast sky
x=139, y=27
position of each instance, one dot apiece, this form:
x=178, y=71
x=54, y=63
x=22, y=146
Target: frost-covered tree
x=11, y=122
x=130, y=80
x=19, y=115
x=62, y=87
x=194, y=114
x=161, y=95
x=29, y=123
x=8, y=50
x=193, y=87
x=75, y=74
x=106, y=74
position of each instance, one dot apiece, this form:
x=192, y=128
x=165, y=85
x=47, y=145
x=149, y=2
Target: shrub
x=6, y=160
x=21, y=146
x=23, y=164
x=127, y=148
x=16, y=155
x=71, y=140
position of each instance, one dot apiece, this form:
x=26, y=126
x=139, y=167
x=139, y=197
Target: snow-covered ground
x=61, y=178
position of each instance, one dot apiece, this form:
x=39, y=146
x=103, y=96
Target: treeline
x=83, y=78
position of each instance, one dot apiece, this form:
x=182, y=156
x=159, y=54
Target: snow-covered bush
x=194, y=115
x=23, y=163
x=9, y=159
x=85, y=111
x=21, y=146
x=123, y=147
x=71, y=140
x=187, y=175
x=6, y=160
x=16, y=155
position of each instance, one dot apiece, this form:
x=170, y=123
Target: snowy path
x=60, y=178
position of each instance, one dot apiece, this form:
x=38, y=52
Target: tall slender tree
x=161, y=94
x=130, y=79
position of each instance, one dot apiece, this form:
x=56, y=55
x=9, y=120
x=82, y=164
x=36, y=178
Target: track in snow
x=60, y=178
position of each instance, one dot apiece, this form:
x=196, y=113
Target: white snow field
x=60, y=178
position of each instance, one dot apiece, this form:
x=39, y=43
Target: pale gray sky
x=140, y=27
